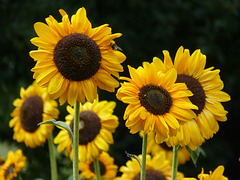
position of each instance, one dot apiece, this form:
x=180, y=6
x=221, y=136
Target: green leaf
x=195, y=154
x=60, y=125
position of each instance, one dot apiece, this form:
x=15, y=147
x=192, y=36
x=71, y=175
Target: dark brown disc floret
x=151, y=174
x=90, y=126
x=155, y=99
x=31, y=113
x=77, y=57
x=195, y=87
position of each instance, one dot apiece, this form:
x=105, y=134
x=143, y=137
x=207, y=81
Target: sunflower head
x=216, y=174
x=33, y=107
x=206, y=87
x=12, y=165
x=73, y=59
x=96, y=125
x=154, y=169
x=155, y=101
x=108, y=169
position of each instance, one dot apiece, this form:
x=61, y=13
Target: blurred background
x=148, y=27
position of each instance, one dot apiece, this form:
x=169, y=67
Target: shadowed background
x=148, y=27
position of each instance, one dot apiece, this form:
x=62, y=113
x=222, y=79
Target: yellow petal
x=101, y=144
x=167, y=60
x=46, y=76
x=171, y=121
x=42, y=55
x=45, y=33
x=218, y=96
x=72, y=92
x=56, y=83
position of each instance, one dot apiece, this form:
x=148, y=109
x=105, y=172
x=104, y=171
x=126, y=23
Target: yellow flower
x=206, y=86
x=13, y=165
x=97, y=123
x=156, y=102
x=217, y=174
x=73, y=59
x=108, y=169
x=35, y=106
x=154, y=148
x=157, y=167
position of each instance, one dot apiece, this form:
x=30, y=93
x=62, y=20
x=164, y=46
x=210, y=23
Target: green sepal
x=60, y=125
x=195, y=154
x=134, y=157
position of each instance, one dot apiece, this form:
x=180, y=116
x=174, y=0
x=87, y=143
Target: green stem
x=97, y=168
x=52, y=158
x=175, y=162
x=76, y=141
x=144, y=154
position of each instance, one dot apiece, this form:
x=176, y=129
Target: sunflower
x=35, y=106
x=97, y=123
x=154, y=169
x=155, y=101
x=73, y=59
x=217, y=174
x=108, y=169
x=206, y=86
x=154, y=148
x=13, y=164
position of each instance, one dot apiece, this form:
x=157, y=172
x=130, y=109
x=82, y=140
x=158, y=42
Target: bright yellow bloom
x=155, y=101
x=206, y=86
x=13, y=165
x=108, y=169
x=217, y=174
x=97, y=123
x=73, y=59
x=35, y=106
x=157, y=167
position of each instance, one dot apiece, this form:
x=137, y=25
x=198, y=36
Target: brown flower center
x=31, y=113
x=9, y=171
x=89, y=127
x=151, y=174
x=2, y=161
x=165, y=146
x=77, y=57
x=195, y=87
x=155, y=99
x=102, y=168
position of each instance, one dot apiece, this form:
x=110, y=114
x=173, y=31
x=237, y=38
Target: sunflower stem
x=175, y=162
x=144, y=154
x=97, y=168
x=52, y=158
x=76, y=141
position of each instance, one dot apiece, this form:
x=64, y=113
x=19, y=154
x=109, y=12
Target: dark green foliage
x=148, y=27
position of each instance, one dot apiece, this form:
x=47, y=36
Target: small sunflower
x=217, y=174
x=35, y=106
x=206, y=86
x=97, y=123
x=154, y=169
x=73, y=59
x=155, y=101
x=154, y=148
x=108, y=169
x=13, y=165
